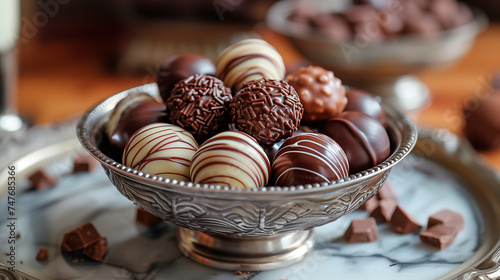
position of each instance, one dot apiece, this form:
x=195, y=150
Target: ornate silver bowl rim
x=90, y=124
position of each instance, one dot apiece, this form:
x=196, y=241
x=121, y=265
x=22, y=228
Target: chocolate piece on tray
x=439, y=236
x=84, y=163
x=268, y=110
x=447, y=217
x=199, y=104
x=80, y=237
x=309, y=158
x=96, y=250
x=161, y=149
x=180, y=67
x=231, y=158
x=42, y=255
x=364, y=102
x=145, y=218
x=249, y=60
x=383, y=212
x=402, y=222
x=41, y=180
x=363, y=139
x=362, y=230
x=320, y=92
x=369, y=205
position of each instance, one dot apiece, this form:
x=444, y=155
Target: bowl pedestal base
x=245, y=254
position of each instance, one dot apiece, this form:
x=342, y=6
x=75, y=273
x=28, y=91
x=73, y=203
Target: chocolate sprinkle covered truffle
x=180, y=67
x=267, y=109
x=309, y=158
x=321, y=93
x=363, y=139
x=199, y=104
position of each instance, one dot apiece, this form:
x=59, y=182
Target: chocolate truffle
x=161, y=149
x=131, y=113
x=231, y=158
x=364, y=102
x=320, y=92
x=248, y=60
x=199, y=104
x=268, y=110
x=363, y=139
x=180, y=67
x=482, y=121
x=309, y=158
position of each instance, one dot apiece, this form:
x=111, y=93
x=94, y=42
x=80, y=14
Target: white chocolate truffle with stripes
x=248, y=60
x=161, y=149
x=231, y=158
x=309, y=158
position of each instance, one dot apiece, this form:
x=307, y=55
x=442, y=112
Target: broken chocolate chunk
x=41, y=180
x=386, y=192
x=43, y=254
x=97, y=250
x=362, y=230
x=448, y=218
x=144, y=217
x=383, y=212
x=402, y=222
x=80, y=237
x=439, y=236
x=84, y=163
x=370, y=204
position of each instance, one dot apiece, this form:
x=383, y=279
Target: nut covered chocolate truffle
x=309, y=158
x=363, y=139
x=161, y=149
x=231, y=158
x=321, y=93
x=268, y=110
x=199, y=104
x=180, y=67
x=249, y=60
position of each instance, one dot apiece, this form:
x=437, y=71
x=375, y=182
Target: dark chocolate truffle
x=363, y=139
x=482, y=121
x=362, y=101
x=320, y=92
x=309, y=158
x=132, y=113
x=199, y=104
x=267, y=109
x=180, y=67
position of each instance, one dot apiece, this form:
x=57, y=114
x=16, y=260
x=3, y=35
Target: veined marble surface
x=138, y=252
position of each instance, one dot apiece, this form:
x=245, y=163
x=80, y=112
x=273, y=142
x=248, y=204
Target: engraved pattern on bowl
x=235, y=212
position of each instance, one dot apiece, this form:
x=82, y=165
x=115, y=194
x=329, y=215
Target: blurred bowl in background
x=384, y=67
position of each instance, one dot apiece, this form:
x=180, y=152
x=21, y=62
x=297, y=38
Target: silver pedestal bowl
x=386, y=68
x=243, y=229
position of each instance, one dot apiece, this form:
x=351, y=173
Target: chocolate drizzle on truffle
x=199, y=104
x=267, y=109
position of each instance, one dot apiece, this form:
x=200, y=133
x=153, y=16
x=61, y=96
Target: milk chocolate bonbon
x=309, y=158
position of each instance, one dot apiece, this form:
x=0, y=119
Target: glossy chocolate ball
x=180, y=67
x=268, y=110
x=482, y=121
x=309, y=158
x=364, y=102
x=199, y=104
x=363, y=139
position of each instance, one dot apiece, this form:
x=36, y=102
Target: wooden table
x=62, y=79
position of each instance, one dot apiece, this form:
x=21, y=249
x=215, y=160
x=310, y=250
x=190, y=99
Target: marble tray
x=442, y=172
